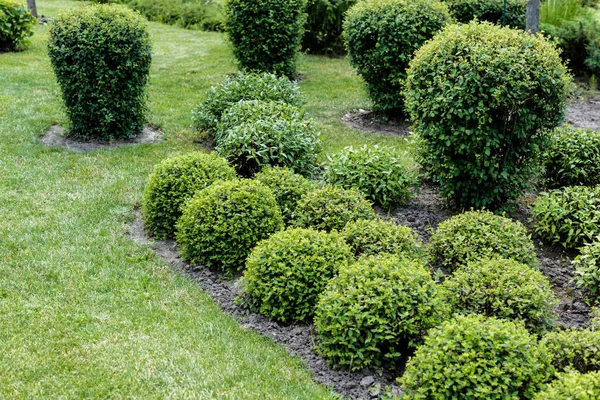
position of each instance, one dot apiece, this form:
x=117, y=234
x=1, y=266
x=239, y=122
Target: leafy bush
x=371, y=237
x=577, y=349
x=173, y=182
x=595, y=322
x=569, y=216
x=266, y=34
x=482, y=98
x=476, y=235
x=203, y=15
x=572, y=386
x=286, y=273
x=101, y=56
x=489, y=10
x=474, y=357
x=587, y=269
x=218, y=99
x=376, y=311
x=323, y=29
x=330, y=208
x=381, y=37
x=16, y=25
x=221, y=224
x=378, y=172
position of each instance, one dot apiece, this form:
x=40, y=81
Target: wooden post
x=32, y=8
x=532, y=21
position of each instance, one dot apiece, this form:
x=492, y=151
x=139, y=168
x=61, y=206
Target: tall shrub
x=16, y=25
x=323, y=29
x=489, y=10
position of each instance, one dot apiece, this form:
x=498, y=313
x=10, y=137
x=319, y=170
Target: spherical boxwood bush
x=574, y=349
x=489, y=10
x=251, y=86
x=376, y=311
x=16, y=25
x=381, y=37
x=330, y=208
x=474, y=357
x=173, y=182
x=482, y=98
x=222, y=223
x=474, y=235
x=286, y=273
x=101, y=56
x=378, y=172
x=504, y=289
x=572, y=386
x=254, y=134
x=587, y=269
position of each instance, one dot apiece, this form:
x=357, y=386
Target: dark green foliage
x=172, y=183
x=16, y=25
x=376, y=236
x=482, y=98
x=474, y=357
x=266, y=34
x=572, y=386
x=101, y=56
x=323, y=30
x=221, y=224
x=200, y=14
x=286, y=273
x=381, y=37
x=377, y=172
x=574, y=349
x=476, y=235
x=587, y=269
x=489, y=10
x=376, y=311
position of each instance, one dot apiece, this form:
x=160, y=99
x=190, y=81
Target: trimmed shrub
x=221, y=224
x=476, y=235
x=375, y=312
x=254, y=134
x=323, y=29
x=330, y=208
x=587, y=269
x=286, y=273
x=474, y=357
x=569, y=216
x=266, y=34
x=503, y=289
x=482, y=98
x=378, y=172
x=489, y=10
x=101, y=56
x=577, y=349
x=173, y=182
x=16, y=25
x=572, y=386
x=381, y=37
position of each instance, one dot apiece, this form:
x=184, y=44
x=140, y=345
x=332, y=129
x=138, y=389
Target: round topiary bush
x=173, y=182
x=489, y=10
x=221, y=224
x=572, y=386
x=474, y=357
x=378, y=172
x=330, y=208
x=286, y=273
x=587, y=269
x=16, y=25
x=503, y=289
x=254, y=134
x=574, y=349
x=475, y=235
x=101, y=56
x=381, y=37
x=376, y=311
x=266, y=34
x=482, y=98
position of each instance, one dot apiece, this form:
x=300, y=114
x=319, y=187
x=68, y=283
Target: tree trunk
x=32, y=8
x=532, y=22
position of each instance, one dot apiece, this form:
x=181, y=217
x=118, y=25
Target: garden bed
x=56, y=137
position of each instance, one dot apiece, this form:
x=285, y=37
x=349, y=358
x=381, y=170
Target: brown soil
x=584, y=113
x=56, y=137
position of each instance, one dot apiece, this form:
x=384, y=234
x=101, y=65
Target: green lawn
x=84, y=310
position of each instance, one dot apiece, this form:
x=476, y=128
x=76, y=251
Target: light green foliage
x=378, y=172
x=474, y=357
x=195, y=14
x=577, y=349
x=376, y=312
x=323, y=29
x=587, y=269
x=381, y=37
x=286, y=273
x=572, y=386
x=595, y=322
x=221, y=224
x=16, y=25
x=489, y=10
x=482, y=98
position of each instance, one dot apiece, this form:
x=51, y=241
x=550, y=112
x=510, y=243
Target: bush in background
x=489, y=10
x=376, y=236
x=16, y=25
x=572, y=386
x=323, y=29
x=587, y=269
x=574, y=349
x=202, y=15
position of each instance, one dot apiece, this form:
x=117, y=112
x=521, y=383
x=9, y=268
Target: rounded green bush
x=376, y=311
x=286, y=273
x=101, y=56
x=475, y=235
x=587, y=269
x=503, y=289
x=16, y=25
x=378, y=172
x=474, y=357
x=331, y=208
x=572, y=386
x=173, y=182
x=482, y=99
x=574, y=349
x=489, y=10
x=221, y=224
x=381, y=37
x=323, y=29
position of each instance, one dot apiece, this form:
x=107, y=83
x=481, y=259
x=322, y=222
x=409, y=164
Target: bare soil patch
x=365, y=120
x=584, y=113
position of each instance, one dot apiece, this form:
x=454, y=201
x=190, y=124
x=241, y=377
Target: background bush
x=195, y=14
x=482, y=98
x=323, y=29
x=572, y=386
x=16, y=25
x=489, y=10
x=101, y=57
x=577, y=349
x=587, y=269
x=381, y=37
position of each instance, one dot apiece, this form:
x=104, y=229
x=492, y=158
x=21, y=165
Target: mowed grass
x=85, y=311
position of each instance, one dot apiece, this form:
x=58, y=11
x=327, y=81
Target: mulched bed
x=56, y=137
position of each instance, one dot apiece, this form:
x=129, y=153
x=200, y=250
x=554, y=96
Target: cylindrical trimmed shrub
x=482, y=99
x=376, y=311
x=173, y=182
x=489, y=10
x=381, y=37
x=587, y=269
x=221, y=224
x=286, y=273
x=101, y=56
x=16, y=25
x=474, y=357
x=574, y=349
x=323, y=29
x=572, y=386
